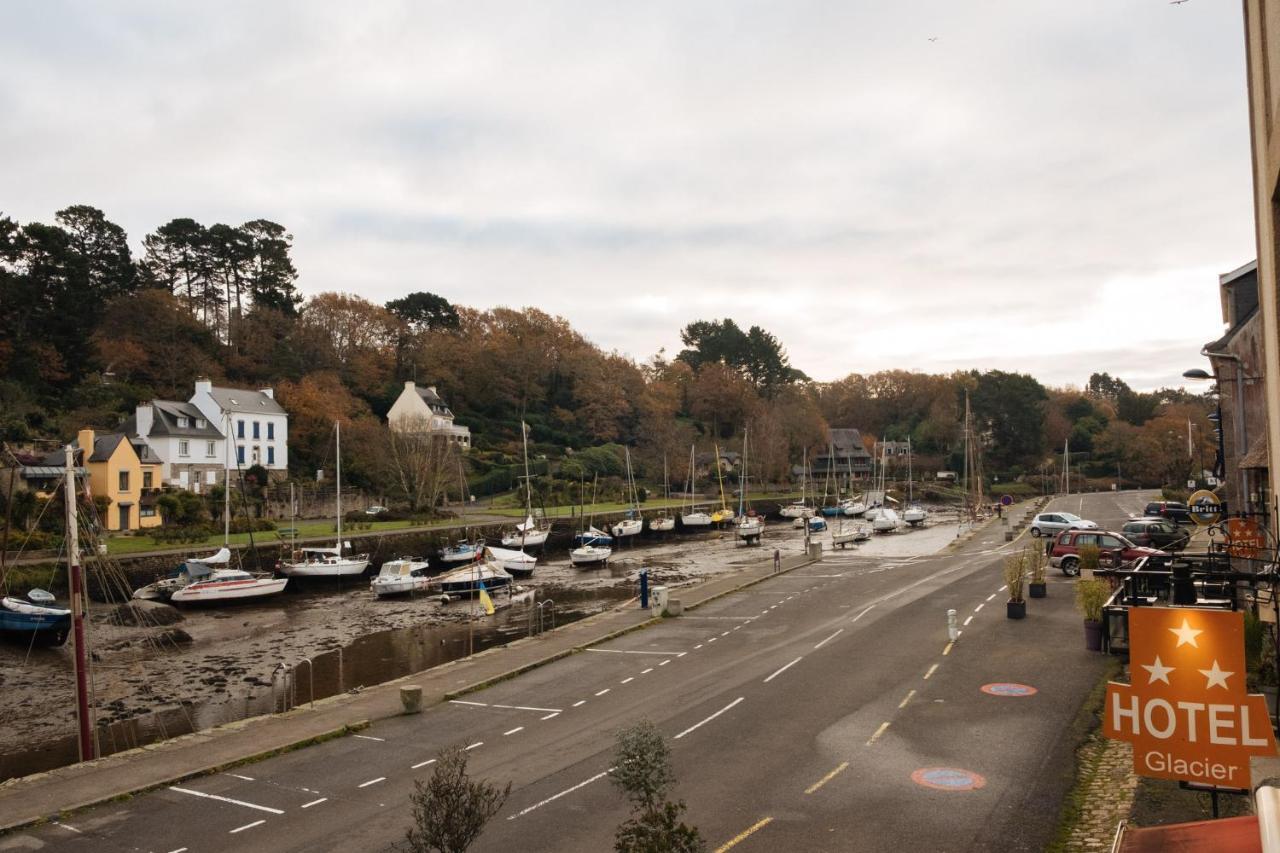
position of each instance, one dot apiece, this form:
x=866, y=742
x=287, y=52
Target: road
x=821, y=710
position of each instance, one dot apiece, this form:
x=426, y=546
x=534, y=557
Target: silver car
x=1051, y=523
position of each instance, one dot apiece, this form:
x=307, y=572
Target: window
x=1086, y=539
x=271, y=429
x=124, y=481
x=183, y=422
x=146, y=512
x=211, y=477
x=240, y=454
x=1110, y=542
x=201, y=423
x=184, y=447
x=239, y=429
x=210, y=449
x=146, y=479
x=271, y=455
x=257, y=455
x=256, y=432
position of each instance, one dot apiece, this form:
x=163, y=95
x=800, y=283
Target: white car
x=1051, y=523
x=375, y=510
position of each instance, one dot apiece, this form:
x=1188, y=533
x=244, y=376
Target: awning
x=1257, y=455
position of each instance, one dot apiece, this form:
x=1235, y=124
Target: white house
x=256, y=425
x=418, y=408
x=191, y=449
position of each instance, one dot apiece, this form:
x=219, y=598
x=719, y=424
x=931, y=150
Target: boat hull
x=662, y=525
x=627, y=527
x=696, y=519
x=46, y=626
x=340, y=568
x=212, y=591
x=530, y=539
x=589, y=555
x=516, y=562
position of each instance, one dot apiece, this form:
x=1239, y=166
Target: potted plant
x=1037, y=563
x=1091, y=597
x=1014, y=574
x=1090, y=558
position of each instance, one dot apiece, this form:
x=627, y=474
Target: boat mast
x=226, y=486
x=78, y=641
x=337, y=428
x=528, y=485
x=1066, y=465
x=742, y=484
x=910, y=492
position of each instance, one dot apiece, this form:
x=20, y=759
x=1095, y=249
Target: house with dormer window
x=191, y=449
x=255, y=425
x=421, y=410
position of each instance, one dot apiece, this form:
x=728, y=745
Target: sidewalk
x=40, y=796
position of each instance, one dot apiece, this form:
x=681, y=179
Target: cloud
x=1047, y=187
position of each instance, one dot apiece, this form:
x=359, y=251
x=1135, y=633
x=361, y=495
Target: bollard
x=1008, y=536
x=411, y=698
x=644, y=589
x=674, y=607
x=953, y=632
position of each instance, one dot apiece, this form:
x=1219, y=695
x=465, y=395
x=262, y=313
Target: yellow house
x=129, y=476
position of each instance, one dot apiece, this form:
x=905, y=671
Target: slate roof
x=244, y=401
x=432, y=399
x=164, y=421
x=848, y=442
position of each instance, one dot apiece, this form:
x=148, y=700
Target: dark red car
x=1114, y=549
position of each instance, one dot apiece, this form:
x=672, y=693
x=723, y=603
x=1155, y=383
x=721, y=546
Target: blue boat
x=594, y=537
x=831, y=511
x=34, y=619
x=817, y=524
x=462, y=552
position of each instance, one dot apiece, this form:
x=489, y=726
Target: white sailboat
x=329, y=562
x=694, y=517
x=800, y=509
x=634, y=522
x=723, y=514
x=749, y=526
x=914, y=514
x=533, y=531
x=664, y=521
x=591, y=548
x=516, y=562
x=886, y=518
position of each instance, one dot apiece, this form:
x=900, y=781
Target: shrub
x=642, y=771
x=1089, y=558
x=1091, y=597
x=449, y=809
x=251, y=525
x=1014, y=575
x=1172, y=493
x=1036, y=561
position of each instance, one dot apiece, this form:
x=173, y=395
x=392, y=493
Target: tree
x=1009, y=409
x=642, y=771
x=755, y=354
x=103, y=247
x=271, y=272
x=449, y=809
x=420, y=464
x=422, y=310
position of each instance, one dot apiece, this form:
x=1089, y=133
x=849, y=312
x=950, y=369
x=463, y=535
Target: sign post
x=1205, y=507
x=1187, y=712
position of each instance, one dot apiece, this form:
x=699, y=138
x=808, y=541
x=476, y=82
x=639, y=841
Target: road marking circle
x=1008, y=688
x=948, y=779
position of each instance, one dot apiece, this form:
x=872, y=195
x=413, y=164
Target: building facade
x=126, y=473
x=191, y=449
x=255, y=426
x=421, y=410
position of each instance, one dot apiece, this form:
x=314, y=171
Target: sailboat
x=633, y=523
x=592, y=544
x=723, y=514
x=463, y=550
x=329, y=562
x=664, y=521
x=886, y=518
x=800, y=508
x=467, y=580
x=914, y=514
x=694, y=517
x=749, y=525
x=533, y=531
x=516, y=562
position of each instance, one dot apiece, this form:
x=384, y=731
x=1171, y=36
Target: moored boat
x=516, y=562
x=886, y=521
x=466, y=580
x=398, y=577
x=34, y=619
x=462, y=551
x=587, y=555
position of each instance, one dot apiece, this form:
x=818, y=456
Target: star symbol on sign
x=1187, y=634
x=1159, y=672
x=1217, y=677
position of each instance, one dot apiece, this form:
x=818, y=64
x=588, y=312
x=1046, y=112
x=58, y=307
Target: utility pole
x=78, y=643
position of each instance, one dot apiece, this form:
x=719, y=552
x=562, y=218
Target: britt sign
x=1186, y=711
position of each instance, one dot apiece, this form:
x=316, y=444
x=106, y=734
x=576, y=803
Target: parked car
x=375, y=510
x=1172, y=510
x=1115, y=549
x=1156, y=532
x=1049, y=523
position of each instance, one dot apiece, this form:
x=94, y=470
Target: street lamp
x=1199, y=374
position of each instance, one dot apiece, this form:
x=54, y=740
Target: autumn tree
x=421, y=465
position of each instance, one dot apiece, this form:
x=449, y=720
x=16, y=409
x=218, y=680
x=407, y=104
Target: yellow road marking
x=825, y=779
x=931, y=671
x=947, y=650
x=879, y=732
x=904, y=702
x=742, y=836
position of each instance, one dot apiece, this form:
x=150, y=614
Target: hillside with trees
x=87, y=331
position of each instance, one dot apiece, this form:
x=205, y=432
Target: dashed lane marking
x=68, y=827
x=203, y=795
x=631, y=652
x=825, y=779
x=968, y=620
x=695, y=648
x=931, y=671
x=627, y=680
x=829, y=639
x=702, y=723
x=474, y=745
x=744, y=835
x=248, y=826
x=372, y=782
x=579, y=703
x=646, y=671
x=713, y=639
x=860, y=615
x=513, y=731
x=555, y=797
x=238, y=776
x=883, y=727
x=979, y=607
x=371, y=737
x=907, y=698
x=326, y=799
x=665, y=662
x=179, y=850
x=418, y=765
x=550, y=716
x=991, y=596
x=783, y=669
x=947, y=650
x=602, y=692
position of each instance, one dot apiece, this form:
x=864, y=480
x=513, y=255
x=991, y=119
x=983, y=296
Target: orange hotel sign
x=1186, y=711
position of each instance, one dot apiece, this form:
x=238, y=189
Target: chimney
x=409, y=385
x=84, y=439
x=267, y=391
x=203, y=385
x=432, y=389
x=145, y=417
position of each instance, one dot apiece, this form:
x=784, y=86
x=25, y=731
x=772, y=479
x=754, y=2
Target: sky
x=1045, y=187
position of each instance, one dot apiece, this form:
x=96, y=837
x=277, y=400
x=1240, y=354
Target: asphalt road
x=820, y=710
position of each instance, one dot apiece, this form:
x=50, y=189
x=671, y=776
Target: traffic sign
x=1186, y=710
x=1205, y=507
x=1008, y=688
x=948, y=779
x=1006, y=500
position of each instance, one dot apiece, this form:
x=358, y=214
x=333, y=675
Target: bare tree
x=642, y=770
x=450, y=809
x=421, y=463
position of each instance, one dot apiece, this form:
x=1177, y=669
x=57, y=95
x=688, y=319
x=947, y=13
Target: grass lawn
x=119, y=545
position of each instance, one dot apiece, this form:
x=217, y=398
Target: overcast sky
x=1048, y=187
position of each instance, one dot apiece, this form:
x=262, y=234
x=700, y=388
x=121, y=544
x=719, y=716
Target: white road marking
x=528, y=708
x=904, y=702
x=579, y=702
x=629, y=652
x=414, y=767
x=979, y=607
x=549, y=716
x=370, y=737
x=947, y=649
x=225, y=800
x=474, y=745
x=765, y=612
x=784, y=669
x=374, y=781
x=968, y=620
x=68, y=827
x=860, y=615
x=248, y=826
x=725, y=633
x=829, y=639
x=646, y=671
x=238, y=776
x=879, y=731
x=713, y=639
x=627, y=680
x=736, y=627
x=555, y=797
x=602, y=692
x=665, y=662
x=931, y=671
x=695, y=648
x=463, y=702
x=991, y=596
x=179, y=850
x=709, y=719
x=326, y=799
x=513, y=731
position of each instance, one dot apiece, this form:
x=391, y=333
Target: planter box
x=1093, y=636
x=1016, y=609
x=1038, y=590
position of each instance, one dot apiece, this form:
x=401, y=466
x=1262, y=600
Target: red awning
x=1237, y=834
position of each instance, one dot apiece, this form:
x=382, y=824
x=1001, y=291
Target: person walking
x=777, y=560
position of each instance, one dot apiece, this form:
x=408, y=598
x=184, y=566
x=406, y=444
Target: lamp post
x=1237, y=415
